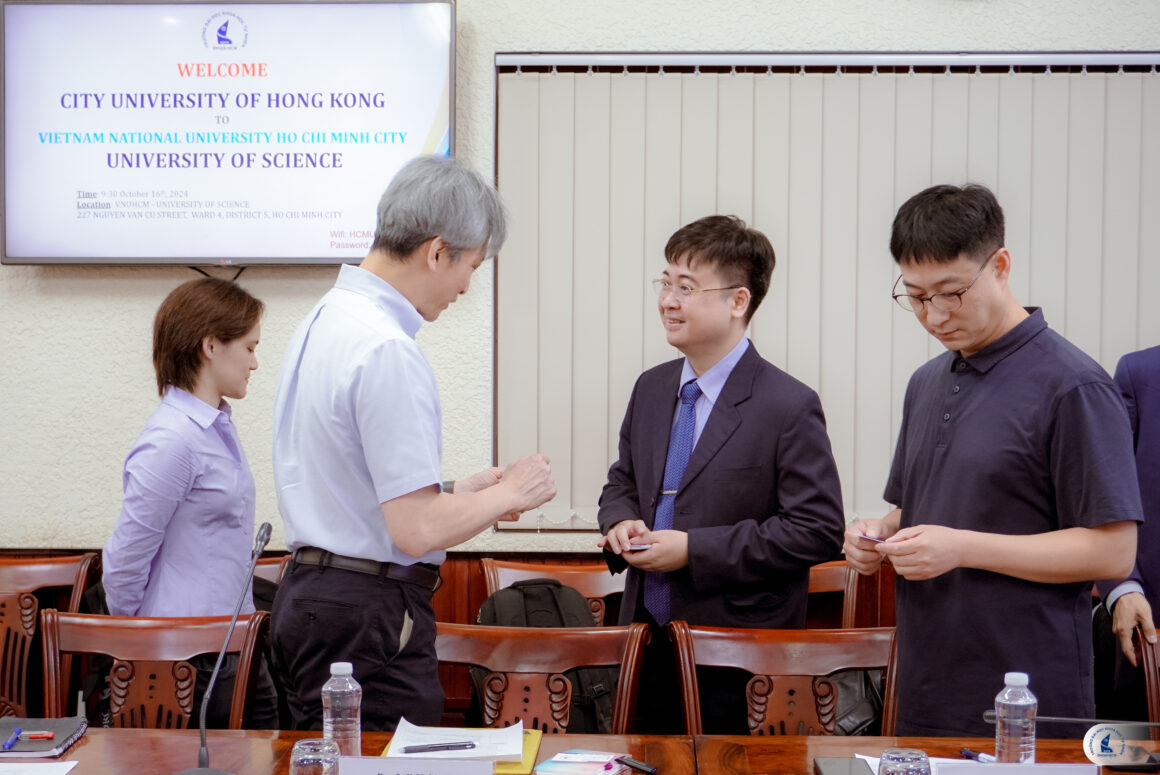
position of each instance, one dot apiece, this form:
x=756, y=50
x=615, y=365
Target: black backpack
x=548, y=603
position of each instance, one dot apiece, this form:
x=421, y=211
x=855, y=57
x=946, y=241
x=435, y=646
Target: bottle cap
x=346, y=668
x=1016, y=679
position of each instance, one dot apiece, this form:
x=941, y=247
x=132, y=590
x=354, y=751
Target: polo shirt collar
x=193, y=407
x=990, y=356
x=383, y=294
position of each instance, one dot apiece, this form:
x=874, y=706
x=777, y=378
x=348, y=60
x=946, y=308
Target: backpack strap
x=509, y=608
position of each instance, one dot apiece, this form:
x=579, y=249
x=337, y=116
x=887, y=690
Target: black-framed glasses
x=948, y=301
x=663, y=286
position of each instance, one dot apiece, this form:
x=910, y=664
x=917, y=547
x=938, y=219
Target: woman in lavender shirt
x=183, y=539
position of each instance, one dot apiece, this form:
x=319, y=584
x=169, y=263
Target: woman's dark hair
x=193, y=311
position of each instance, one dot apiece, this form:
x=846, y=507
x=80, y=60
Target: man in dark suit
x=725, y=472
x=1138, y=378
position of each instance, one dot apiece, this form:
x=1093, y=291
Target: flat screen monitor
x=202, y=133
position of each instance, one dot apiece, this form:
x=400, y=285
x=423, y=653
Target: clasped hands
x=918, y=552
x=530, y=477
x=668, y=550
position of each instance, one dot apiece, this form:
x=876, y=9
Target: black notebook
x=65, y=732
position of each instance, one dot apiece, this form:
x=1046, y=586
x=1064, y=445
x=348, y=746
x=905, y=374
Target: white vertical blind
x=598, y=166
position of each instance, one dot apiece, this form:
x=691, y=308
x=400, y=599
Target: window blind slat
x=1121, y=217
x=1015, y=180
x=914, y=144
x=590, y=316
x=630, y=296
x=802, y=266
x=1085, y=206
x=517, y=273
x=1049, y=201
x=735, y=147
x=839, y=268
x=1148, y=288
x=557, y=221
x=771, y=207
x=698, y=191
x=874, y=429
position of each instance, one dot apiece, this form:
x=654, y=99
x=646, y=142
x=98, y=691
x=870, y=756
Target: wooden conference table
x=253, y=752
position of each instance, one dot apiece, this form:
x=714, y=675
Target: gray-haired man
x=357, y=456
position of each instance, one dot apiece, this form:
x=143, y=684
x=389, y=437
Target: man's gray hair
x=437, y=196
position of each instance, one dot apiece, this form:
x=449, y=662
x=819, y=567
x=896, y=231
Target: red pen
x=37, y=735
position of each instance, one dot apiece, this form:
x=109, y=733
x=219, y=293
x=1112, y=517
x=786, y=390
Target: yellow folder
x=531, y=748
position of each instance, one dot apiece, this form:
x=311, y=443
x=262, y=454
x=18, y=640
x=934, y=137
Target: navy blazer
x=760, y=499
x=1138, y=377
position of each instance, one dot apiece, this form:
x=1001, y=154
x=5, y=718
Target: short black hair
x=943, y=222
x=741, y=254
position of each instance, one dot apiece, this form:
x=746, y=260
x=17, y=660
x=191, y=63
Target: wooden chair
x=1149, y=659
x=151, y=681
x=789, y=693
x=527, y=667
x=272, y=568
x=20, y=579
x=832, y=595
x=591, y=579
x=869, y=600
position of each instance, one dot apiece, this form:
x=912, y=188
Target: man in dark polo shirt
x=1013, y=479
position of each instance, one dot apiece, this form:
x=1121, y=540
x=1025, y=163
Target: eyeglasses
x=664, y=286
x=943, y=302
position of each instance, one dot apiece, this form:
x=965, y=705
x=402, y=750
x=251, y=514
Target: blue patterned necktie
x=656, y=584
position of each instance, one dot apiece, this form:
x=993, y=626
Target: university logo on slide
x=225, y=31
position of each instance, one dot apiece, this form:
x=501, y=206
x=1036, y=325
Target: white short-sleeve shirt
x=356, y=420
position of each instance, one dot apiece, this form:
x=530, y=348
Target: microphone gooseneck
x=989, y=717
x=203, y=767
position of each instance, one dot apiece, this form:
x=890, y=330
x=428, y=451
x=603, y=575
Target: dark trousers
x=261, y=704
x=1120, y=688
x=660, y=707
x=385, y=628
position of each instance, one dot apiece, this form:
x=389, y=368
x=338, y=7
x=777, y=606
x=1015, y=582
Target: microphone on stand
x=203, y=767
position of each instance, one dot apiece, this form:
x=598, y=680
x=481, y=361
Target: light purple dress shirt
x=183, y=541
x=711, y=384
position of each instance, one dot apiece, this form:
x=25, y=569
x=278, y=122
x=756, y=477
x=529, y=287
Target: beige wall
x=74, y=342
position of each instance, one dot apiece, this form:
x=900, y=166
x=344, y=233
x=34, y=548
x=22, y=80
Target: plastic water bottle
x=1015, y=709
x=341, y=708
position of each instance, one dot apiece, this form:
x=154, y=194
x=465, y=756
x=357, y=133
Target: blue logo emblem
x=1112, y=744
x=225, y=31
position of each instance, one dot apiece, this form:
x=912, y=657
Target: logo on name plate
x=1112, y=744
x=225, y=31
x=1104, y=743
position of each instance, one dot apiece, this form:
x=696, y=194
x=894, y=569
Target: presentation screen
x=241, y=133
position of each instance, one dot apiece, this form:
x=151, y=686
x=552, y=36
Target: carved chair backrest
x=152, y=681
x=789, y=692
x=20, y=579
x=527, y=665
x=591, y=579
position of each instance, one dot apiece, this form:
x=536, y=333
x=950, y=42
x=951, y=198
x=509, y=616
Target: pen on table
x=431, y=747
x=11, y=741
x=35, y=734
x=979, y=757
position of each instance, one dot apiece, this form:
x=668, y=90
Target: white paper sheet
x=944, y=766
x=35, y=768
x=499, y=745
